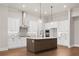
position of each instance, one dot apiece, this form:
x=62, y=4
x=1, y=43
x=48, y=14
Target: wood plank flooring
x=60, y=51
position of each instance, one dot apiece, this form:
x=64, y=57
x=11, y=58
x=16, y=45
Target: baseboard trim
x=62, y=45
x=17, y=47
x=68, y=46
x=76, y=45
x=3, y=49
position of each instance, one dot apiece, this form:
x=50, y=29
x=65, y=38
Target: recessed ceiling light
x=45, y=12
x=40, y=20
x=65, y=6
x=35, y=10
x=51, y=23
x=23, y=6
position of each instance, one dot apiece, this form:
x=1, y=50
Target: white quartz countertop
x=40, y=38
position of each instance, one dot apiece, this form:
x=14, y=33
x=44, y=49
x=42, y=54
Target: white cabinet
x=62, y=33
x=53, y=32
x=16, y=42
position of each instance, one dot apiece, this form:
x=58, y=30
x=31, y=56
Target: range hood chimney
x=23, y=28
x=23, y=24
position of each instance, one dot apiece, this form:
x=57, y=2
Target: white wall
x=3, y=28
x=71, y=31
x=76, y=31
x=73, y=27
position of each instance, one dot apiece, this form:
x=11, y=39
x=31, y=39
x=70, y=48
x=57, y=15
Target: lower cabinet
x=16, y=42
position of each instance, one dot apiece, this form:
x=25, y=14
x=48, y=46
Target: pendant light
x=40, y=11
x=41, y=31
x=22, y=18
x=51, y=12
x=40, y=20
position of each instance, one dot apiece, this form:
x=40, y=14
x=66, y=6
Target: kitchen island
x=41, y=44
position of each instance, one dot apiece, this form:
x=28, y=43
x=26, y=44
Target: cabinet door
x=11, y=43
x=20, y=42
x=53, y=32
x=62, y=30
x=16, y=42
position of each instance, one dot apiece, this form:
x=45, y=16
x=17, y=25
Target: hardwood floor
x=60, y=51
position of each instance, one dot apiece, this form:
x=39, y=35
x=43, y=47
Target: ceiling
x=34, y=8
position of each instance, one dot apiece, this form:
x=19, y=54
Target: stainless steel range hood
x=23, y=28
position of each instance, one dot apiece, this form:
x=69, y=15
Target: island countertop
x=39, y=38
